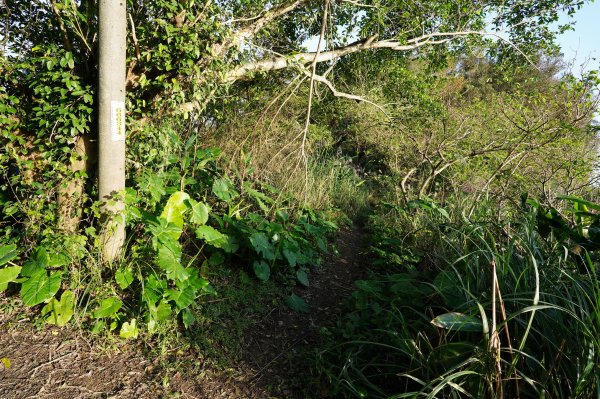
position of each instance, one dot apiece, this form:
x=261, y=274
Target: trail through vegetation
x=454, y=130
x=276, y=358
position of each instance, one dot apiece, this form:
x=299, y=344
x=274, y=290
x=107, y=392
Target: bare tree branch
x=268, y=17
x=61, y=25
x=259, y=23
x=349, y=96
x=313, y=74
x=276, y=63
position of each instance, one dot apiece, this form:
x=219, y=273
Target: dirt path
x=281, y=346
x=276, y=362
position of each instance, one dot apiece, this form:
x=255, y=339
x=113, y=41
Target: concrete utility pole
x=111, y=124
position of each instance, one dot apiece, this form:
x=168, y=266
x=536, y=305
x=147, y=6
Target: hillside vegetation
x=453, y=134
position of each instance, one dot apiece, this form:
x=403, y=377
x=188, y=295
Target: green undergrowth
x=473, y=307
x=185, y=221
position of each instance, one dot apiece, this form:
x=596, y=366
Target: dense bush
x=183, y=218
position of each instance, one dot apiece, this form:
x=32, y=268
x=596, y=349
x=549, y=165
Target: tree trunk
x=70, y=196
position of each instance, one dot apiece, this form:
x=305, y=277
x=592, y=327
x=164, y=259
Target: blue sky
x=583, y=43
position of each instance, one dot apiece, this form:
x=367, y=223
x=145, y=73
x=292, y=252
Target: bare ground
x=276, y=361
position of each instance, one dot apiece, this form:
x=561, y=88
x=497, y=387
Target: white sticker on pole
x=117, y=120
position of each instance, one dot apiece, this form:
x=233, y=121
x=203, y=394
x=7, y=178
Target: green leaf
x=262, y=270
x=7, y=253
x=182, y=297
x=223, y=189
x=8, y=275
x=200, y=212
x=260, y=243
x=98, y=326
x=108, y=308
x=302, y=277
x=446, y=282
x=195, y=280
x=124, y=277
x=163, y=311
x=458, y=322
x=169, y=242
x=153, y=289
x=209, y=234
x=60, y=312
x=5, y=362
x=216, y=259
x=580, y=201
x=170, y=263
x=161, y=229
x=217, y=239
x=41, y=257
x=30, y=267
x=58, y=259
x=129, y=329
x=188, y=318
x=175, y=208
x=291, y=256
x=40, y=287
x=297, y=304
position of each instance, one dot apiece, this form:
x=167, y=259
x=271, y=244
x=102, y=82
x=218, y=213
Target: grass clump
x=491, y=310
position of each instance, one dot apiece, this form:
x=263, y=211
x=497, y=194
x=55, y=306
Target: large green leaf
x=262, y=270
x=170, y=262
x=260, y=243
x=458, y=322
x=124, y=277
x=163, y=231
x=129, y=329
x=224, y=190
x=217, y=239
x=108, y=308
x=211, y=235
x=153, y=289
x=7, y=253
x=175, y=208
x=40, y=287
x=296, y=303
x=30, y=267
x=291, y=256
x=40, y=256
x=200, y=212
x=42, y=259
x=38, y=260
x=188, y=318
x=162, y=312
x=196, y=281
x=182, y=297
x=60, y=312
x=302, y=277
x=8, y=275
x=580, y=201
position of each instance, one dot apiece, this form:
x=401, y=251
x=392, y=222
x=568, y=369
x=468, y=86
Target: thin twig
x=135, y=39
x=495, y=340
x=311, y=93
x=35, y=369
